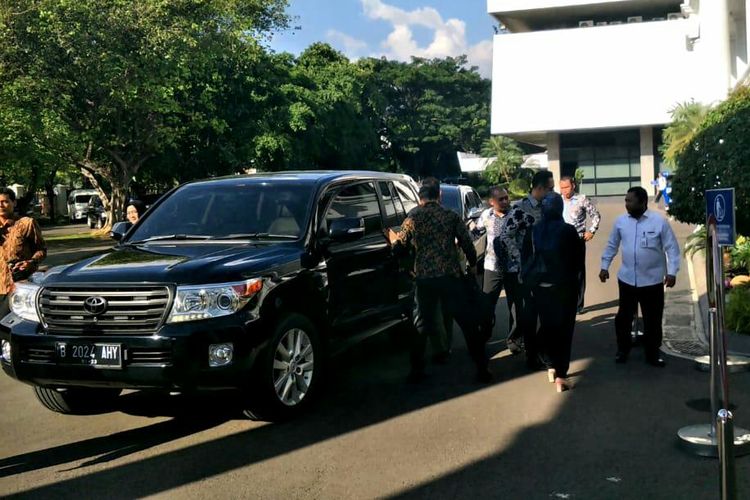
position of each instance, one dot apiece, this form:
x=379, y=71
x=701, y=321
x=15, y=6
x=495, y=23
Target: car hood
x=180, y=263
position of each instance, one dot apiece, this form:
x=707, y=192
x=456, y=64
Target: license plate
x=92, y=354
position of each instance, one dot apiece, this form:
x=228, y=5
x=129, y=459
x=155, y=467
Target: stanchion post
x=725, y=435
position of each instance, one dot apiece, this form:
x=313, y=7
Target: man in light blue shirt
x=650, y=261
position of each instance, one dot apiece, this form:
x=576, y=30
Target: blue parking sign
x=720, y=204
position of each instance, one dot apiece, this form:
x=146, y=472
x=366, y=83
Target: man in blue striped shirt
x=650, y=261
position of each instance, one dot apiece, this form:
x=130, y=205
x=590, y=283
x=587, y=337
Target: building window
x=610, y=161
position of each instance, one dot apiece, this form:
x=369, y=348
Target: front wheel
x=287, y=372
x=76, y=400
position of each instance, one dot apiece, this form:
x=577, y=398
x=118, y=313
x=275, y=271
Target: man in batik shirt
x=432, y=231
x=524, y=214
x=584, y=216
x=22, y=246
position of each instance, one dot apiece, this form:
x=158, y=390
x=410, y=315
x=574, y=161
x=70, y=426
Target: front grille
x=136, y=310
x=138, y=356
x=38, y=354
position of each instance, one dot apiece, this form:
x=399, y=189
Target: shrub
x=737, y=310
x=717, y=156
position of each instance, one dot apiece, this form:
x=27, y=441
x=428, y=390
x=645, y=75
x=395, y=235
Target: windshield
x=82, y=198
x=244, y=208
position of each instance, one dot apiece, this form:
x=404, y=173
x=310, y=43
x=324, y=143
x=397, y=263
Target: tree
x=426, y=110
x=686, y=118
x=508, y=158
x=130, y=79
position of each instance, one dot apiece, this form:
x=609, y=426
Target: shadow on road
x=613, y=436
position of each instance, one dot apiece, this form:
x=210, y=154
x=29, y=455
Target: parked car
x=96, y=216
x=466, y=202
x=78, y=203
x=246, y=283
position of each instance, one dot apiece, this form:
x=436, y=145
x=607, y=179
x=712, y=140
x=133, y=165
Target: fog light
x=6, y=351
x=220, y=354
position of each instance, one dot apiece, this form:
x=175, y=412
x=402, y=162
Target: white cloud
x=352, y=47
x=449, y=37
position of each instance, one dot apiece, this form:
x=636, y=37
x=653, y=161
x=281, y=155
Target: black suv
x=244, y=282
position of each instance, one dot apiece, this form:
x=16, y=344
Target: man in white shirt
x=650, y=261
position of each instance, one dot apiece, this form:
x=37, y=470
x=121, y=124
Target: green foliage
x=508, y=159
x=686, y=119
x=518, y=188
x=130, y=80
x=737, y=310
x=717, y=156
x=578, y=176
x=741, y=253
x=696, y=242
x=424, y=111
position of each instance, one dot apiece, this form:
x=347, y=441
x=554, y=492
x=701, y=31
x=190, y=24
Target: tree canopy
x=158, y=92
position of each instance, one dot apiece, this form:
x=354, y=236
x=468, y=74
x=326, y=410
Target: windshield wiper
x=171, y=237
x=254, y=236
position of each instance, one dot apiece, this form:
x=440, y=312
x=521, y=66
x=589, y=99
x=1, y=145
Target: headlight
x=23, y=301
x=198, y=302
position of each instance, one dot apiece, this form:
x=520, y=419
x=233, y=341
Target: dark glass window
x=357, y=200
x=407, y=196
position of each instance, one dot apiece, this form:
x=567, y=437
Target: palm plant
x=686, y=118
x=508, y=158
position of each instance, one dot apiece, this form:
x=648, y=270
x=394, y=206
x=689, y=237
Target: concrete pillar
x=647, y=158
x=553, y=156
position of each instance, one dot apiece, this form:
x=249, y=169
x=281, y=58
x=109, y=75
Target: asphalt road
x=373, y=435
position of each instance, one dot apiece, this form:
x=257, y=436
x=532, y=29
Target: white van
x=78, y=203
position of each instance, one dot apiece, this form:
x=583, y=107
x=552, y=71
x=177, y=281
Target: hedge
x=717, y=157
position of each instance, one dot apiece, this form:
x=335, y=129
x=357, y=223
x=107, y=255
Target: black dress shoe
x=657, y=362
x=621, y=357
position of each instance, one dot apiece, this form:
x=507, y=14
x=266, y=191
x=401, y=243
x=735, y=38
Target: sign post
x=720, y=204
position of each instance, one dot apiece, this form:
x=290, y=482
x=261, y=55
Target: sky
x=396, y=29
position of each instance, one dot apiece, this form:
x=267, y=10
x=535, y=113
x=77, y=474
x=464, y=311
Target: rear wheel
x=287, y=372
x=76, y=400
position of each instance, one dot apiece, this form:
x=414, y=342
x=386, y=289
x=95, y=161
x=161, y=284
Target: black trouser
x=582, y=282
x=514, y=297
x=557, y=314
x=492, y=285
x=527, y=324
x=448, y=293
x=651, y=300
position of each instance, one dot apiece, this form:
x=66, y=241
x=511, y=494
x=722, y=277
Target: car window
x=357, y=200
x=231, y=208
x=392, y=218
x=407, y=196
x=450, y=199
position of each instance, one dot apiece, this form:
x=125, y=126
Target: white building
x=610, y=73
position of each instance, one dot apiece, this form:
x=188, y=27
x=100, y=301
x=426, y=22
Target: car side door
x=357, y=270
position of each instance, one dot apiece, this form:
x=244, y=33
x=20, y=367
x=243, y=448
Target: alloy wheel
x=293, y=365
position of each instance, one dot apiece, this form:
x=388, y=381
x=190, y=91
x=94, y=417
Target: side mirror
x=346, y=229
x=475, y=213
x=119, y=229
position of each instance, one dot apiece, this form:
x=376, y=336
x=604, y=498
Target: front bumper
x=174, y=358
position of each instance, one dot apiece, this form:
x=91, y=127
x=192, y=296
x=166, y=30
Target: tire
x=282, y=387
x=76, y=400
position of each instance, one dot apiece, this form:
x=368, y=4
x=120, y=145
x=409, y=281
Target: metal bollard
x=725, y=438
